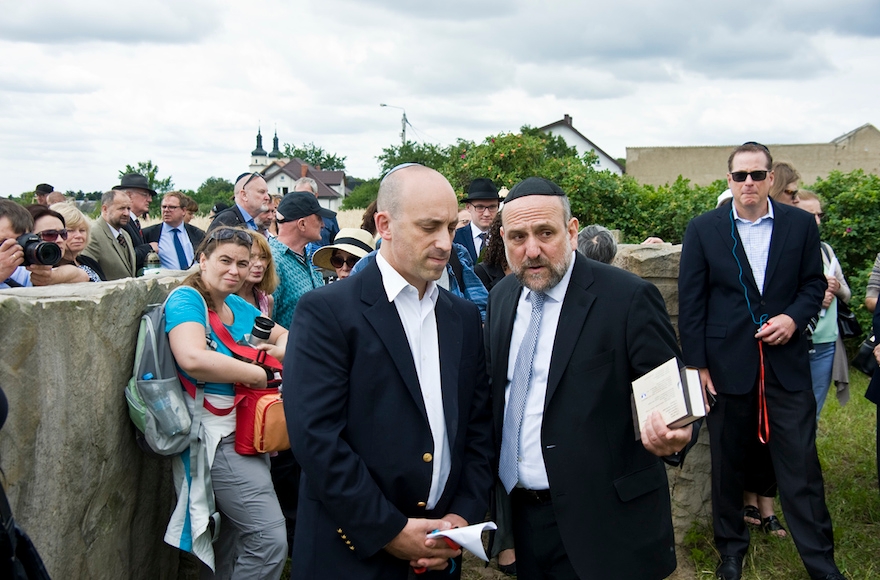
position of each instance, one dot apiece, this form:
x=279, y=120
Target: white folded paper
x=469, y=538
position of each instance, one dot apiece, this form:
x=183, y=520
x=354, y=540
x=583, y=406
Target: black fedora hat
x=482, y=188
x=134, y=181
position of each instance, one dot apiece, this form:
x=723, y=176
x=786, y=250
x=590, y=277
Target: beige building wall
x=858, y=149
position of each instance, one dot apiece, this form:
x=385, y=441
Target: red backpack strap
x=246, y=352
x=191, y=390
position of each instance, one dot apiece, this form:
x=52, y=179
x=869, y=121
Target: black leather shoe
x=730, y=568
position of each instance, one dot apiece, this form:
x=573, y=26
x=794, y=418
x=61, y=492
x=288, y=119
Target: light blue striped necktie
x=519, y=393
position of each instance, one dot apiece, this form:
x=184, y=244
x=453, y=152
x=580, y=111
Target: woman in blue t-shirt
x=253, y=540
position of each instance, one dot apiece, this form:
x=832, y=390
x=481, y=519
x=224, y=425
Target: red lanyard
x=763, y=420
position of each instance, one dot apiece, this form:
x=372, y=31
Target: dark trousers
x=540, y=554
x=760, y=477
x=792, y=446
x=285, y=478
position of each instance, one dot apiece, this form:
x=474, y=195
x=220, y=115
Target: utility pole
x=403, y=122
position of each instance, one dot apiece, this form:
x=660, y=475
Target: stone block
x=93, y=503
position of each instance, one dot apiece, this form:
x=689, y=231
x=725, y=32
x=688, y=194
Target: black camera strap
x=12, y=283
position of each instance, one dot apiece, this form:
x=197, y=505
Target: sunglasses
x=740, y=176
x=791, y=192
x=338, y=261
x=222, y=234
x=252, y=177
x=52, y=235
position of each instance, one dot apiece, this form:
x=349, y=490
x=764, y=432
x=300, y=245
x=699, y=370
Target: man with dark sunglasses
x=251, y=199
x=750, y=281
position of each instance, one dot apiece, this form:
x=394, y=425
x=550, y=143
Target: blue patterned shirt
x=295, y=277
x=755, y=237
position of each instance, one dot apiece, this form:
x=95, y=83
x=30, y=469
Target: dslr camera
x=36, y=251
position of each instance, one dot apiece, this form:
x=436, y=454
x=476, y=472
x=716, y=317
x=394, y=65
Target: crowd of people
x=417, y=400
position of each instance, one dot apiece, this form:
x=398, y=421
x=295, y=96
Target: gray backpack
x=156, y=399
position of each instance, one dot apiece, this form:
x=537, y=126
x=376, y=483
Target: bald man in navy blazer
x=387, y=400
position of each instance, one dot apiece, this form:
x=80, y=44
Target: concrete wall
x=859, y=149
x=94, y=504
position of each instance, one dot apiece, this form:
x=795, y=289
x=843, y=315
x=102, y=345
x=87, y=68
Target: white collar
x=394, y=283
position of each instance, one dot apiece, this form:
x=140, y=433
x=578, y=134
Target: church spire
x=275, y=154
x=259, y=151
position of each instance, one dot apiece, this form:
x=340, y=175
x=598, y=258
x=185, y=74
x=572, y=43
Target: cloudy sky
x=89, y=86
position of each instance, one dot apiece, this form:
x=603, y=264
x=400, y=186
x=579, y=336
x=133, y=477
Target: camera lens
x=262, y=329
x=39, y=252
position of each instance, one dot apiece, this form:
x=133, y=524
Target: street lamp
x=403, y=122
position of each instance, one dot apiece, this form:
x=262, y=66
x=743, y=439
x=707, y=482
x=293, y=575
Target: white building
x=574, y=138
x=281, y=174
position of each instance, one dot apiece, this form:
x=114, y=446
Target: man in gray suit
x=110, y=245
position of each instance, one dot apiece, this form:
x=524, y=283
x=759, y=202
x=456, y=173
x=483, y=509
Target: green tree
x=362, y=195
x=214, y=189
x=427, y=154
x=316, y=156
x=150, y=171
x=508, y=158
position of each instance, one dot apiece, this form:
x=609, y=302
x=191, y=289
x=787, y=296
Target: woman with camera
x=253, y=540
x=50, y=227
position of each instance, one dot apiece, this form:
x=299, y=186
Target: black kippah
x=44, y=188
x=533, y=186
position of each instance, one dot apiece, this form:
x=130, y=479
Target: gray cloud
x=34, y=82
x=451, y=10
x=133, y=21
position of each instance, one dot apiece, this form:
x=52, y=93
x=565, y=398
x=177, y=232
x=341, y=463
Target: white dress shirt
x=420, y=325
x=478, y=241
x=531, y=471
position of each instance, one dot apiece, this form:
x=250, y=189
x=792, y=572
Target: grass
x=846, y=443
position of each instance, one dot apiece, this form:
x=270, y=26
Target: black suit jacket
x=141, y=248
x=717, y=331
x=230, y=216
x=610, y=495
x=359, y=428
x=196, y=235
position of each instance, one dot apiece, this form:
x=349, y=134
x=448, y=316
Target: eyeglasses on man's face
x=480, y=208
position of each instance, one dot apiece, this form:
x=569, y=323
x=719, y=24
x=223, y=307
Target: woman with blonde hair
x=262, y=279
x=78, y=233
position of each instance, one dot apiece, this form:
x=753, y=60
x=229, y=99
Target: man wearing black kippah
x=565, y=337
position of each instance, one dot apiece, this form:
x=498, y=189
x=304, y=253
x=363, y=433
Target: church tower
x=275, y=154
x=259, y=158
